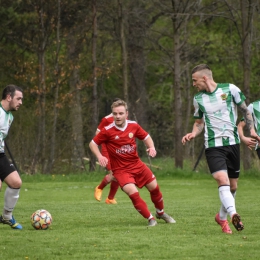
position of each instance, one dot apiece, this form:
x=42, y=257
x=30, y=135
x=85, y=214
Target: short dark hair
x=10, y=90
x=200, y=67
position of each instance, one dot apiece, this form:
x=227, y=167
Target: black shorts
x=5, y=167
x=225, y=158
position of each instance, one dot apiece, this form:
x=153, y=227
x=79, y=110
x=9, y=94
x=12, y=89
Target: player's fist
x=151, y=151
x=187, y=137
x=103, y=161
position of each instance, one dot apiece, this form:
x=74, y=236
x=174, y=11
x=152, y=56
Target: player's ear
x=205, y=78
x=8, y=97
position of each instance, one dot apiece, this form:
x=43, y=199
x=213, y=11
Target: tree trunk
x=123, y=49
x=246, y=13
x=40, y=149
x=178, y=130
x=78, y=150
x=188, y=148
x=56, y=95
x=138, y=99
x=76, y=119
x=94, y=119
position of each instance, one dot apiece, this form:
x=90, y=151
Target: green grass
x=86, y=229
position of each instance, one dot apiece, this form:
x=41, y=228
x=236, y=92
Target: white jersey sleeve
x=236, y=93
x=197, y=112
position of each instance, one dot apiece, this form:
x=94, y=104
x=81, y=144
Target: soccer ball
x=41, y=219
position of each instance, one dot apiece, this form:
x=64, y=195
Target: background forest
x=74, y=57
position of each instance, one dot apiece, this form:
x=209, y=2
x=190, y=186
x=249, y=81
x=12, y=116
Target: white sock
x=160, y=211
x=223, y=212
x=151, y=216
x=227, y=199
x=11, y=197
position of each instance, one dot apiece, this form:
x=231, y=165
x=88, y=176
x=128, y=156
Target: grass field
x=86, y=229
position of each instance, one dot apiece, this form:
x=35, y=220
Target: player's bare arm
x=248, y=141
x=150, y=146
x=197, y=129
x=249, y=120
x=101, y=159
x=247, y=116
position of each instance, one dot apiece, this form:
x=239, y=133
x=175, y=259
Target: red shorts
x=140, y=175
x=105, y=153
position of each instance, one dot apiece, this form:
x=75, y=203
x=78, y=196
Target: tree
x=94, y=121
x=247, y=10
x=144, y=53
x=56, y=94
x=177, y=85
x=244, y=26
x=44, y=30
x=124, y=55
x=137, y=63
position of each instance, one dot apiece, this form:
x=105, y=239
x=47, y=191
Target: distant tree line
x=74, y=57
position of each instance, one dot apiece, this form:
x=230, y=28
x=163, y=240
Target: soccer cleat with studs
x=166, y=218
x=98, y=194
x=224, y=224
x=113, y=201
x=152, y=222
x=237, y=223
x=11, y=222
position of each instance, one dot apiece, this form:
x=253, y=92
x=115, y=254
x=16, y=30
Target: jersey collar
x=7, y=112
x=122, y=128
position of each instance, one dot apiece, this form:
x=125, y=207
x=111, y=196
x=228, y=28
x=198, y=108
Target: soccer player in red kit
x=107, y=120
x=127, y=168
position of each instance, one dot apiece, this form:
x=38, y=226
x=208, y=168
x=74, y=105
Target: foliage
x=210, y=33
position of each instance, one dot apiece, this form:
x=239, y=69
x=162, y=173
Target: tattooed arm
x=197, y=129
x=249, y=120
x=249, y=142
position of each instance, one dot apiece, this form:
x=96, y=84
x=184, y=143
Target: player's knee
x=16, y=184
x=130, y=189
x=233, y=189
x=153, y=185
x=155, y=190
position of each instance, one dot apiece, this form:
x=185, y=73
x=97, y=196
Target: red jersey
x=121, y=144
x=105, y=121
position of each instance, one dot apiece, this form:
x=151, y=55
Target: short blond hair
x=119, y=103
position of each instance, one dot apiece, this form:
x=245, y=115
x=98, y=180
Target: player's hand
x=103, y=161
x=254, y=135
x=0, y=185
x=187, y=137
x=151, y=151
x=249, y=142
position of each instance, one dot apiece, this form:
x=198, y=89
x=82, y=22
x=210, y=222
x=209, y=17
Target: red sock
x=113, y=189
x=140, y=205
x=157, y=199
x=104, y=182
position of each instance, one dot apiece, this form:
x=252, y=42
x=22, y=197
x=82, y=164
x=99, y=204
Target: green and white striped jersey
x=219, y=111
x=6, y=119
x=254, y=108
